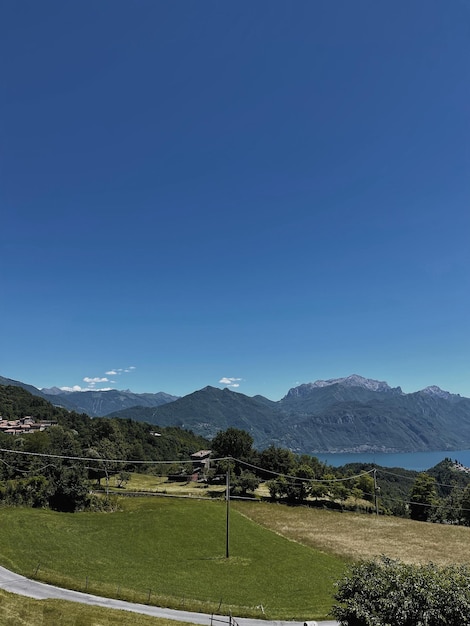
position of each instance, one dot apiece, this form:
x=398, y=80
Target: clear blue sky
x=268, y=192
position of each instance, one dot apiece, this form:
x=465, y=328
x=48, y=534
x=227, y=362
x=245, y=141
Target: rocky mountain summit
x=350, y=381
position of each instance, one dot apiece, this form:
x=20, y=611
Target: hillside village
x=24, y=425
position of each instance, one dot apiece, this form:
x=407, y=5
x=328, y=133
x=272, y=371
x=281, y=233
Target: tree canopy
x=232, y=442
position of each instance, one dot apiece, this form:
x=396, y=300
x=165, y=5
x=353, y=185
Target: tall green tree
x=298, y=488
x=423, y=497
x=465, y=506
x=277, y=460
x=233, y=442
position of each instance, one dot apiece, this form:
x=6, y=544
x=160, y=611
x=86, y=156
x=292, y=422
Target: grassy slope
x=357, y=536
x=174, y=548
x=21, y=611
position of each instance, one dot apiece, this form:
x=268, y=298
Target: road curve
x=15, y=583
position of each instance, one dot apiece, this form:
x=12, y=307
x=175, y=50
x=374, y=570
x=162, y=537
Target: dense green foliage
x=384, y=592
x=63, y=484
x=232, y=442
x=17, y=402
x=115, y=438
x=423, y=497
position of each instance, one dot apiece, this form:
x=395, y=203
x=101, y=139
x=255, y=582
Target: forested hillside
x=124, y=439
x=32, y=474
x=92, y=448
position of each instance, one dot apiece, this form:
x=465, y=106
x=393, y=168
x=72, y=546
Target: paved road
x=24, y=586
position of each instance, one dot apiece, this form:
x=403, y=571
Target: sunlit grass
x=359, y=536
x=161, y=484
x=18, y=610
x=171, y=552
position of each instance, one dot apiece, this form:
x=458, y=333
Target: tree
x=298, y=488
x=449, y=510
x=385, y=591
x=423, y=496
x=122, y=479
x=365, y=483
x=69, y=488
x=246, y=482
x=277, y=460
x=465, y=506
x=232, y=442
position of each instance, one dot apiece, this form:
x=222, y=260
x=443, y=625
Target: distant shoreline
x=418, y=461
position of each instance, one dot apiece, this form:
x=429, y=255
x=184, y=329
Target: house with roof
x=23, y=425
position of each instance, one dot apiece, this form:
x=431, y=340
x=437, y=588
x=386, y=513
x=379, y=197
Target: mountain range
x=94, y=403
x=352, y=414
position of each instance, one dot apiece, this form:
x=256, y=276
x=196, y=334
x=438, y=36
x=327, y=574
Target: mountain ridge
x=95, y=403
x=351, y=414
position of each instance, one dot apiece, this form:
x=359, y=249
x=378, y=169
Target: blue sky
x=259, y=193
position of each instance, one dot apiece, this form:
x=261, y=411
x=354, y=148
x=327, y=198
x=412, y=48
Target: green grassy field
x=22, y=611
x=160, y=484
x=171, y=552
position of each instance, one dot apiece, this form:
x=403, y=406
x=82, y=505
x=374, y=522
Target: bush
x=384, y=592
x=103, y=504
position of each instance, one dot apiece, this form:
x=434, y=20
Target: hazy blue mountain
x=94, y=403
x=357, y=414
x=210, y=410
x=100, y=403
x=349, y=414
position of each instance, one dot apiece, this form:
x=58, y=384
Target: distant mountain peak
x=348, y=382
x=354, y=380
x=52, y=391
x=434, y=390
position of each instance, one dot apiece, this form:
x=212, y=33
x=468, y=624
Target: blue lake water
x=419, y=461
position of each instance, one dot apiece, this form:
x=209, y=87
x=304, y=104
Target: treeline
x=288, y=477
x=442, y=494
x=31, y=475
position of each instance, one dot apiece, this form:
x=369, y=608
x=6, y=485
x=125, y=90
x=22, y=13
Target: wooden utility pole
x=227, y=498
x=376, y=494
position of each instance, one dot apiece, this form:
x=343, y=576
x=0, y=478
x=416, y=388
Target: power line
x=92, y=459
x=297, y=478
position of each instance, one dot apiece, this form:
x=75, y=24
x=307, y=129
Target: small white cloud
x=93, y=381
x=120, y=370
x=230, y=382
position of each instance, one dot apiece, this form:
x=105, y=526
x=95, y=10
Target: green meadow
x=18, y=610
x=283, y=561
x=171, y=552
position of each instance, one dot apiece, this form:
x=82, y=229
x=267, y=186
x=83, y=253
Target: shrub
x=384, y=592
x=104, y=504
